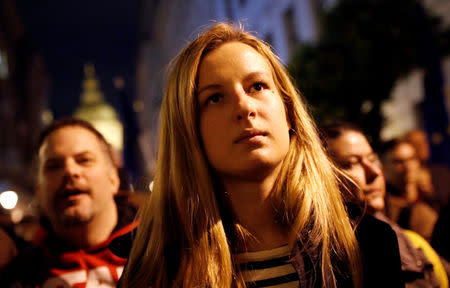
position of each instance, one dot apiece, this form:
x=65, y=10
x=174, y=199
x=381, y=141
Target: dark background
x=71, y=33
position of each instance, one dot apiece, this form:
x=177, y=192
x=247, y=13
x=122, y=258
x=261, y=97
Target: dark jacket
x=417, y=269
x=380, y=252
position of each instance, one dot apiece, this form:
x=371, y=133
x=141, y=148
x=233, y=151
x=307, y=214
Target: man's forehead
x=69, y=140
x=404, y=149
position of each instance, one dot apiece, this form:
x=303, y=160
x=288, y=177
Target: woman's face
x=243, y=122
x=355, y=156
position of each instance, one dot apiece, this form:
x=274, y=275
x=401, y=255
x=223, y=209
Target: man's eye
x=84, y=160
x=52, y=166
x=213, y=99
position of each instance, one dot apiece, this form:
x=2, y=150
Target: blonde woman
x=244, y=195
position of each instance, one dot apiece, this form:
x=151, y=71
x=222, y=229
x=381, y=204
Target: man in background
x=439, y=173
x=76, y=187
x=409, y=188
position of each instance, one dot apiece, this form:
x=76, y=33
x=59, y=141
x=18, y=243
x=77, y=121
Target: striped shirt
x=268, y=268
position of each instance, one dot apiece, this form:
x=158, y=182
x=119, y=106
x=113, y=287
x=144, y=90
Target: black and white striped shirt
x=268, y=268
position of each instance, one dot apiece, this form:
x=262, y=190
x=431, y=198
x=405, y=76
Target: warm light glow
x=8, y=199
x=151, y=186
x=366, y=106
x=112, y=130
x=47, y=117
x=17, y=215
x=138, y=105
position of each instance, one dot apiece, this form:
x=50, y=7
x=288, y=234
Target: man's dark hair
x=390, y=145
x=332, y=131
x=73, y=122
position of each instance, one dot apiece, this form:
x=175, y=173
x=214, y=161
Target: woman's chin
x=377, y=203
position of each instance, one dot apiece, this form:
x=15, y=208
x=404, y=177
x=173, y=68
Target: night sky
x=69, y=34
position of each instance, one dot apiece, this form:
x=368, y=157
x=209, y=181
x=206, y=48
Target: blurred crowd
x=399, y=186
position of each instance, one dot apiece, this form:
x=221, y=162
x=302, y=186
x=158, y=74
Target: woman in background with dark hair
x=353, y=154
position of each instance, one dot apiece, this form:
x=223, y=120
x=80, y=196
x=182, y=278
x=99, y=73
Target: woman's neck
x=252, y=206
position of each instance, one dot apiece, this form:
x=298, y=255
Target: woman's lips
x=374, y=192
x=252, y=135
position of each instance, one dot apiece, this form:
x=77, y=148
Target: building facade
x=23, y=99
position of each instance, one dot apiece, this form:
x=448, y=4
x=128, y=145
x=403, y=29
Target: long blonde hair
x=182, y=237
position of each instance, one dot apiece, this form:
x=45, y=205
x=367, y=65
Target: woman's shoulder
x=379, y=249
x=368, y=225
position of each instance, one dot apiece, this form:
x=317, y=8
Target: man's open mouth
x=72, y=192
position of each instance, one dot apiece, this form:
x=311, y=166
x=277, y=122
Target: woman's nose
x=372, y=171
x=245, y=107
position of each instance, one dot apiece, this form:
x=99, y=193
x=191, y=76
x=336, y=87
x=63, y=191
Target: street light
x=8, y=199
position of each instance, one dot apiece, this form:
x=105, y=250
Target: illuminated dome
x=99, y=113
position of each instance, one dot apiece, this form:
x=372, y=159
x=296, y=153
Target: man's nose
x=411, y=165
x=71, y=168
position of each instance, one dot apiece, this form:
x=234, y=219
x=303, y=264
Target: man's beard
x=75, y=218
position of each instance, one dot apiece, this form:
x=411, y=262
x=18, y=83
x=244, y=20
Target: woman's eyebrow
x=257, y=74
x=210, y=86
x=251, y=75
